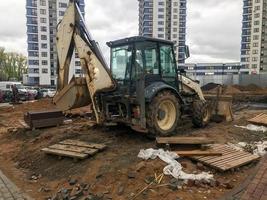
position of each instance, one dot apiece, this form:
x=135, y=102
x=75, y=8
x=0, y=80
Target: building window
x=43, y=37
x=257, y=15
x=254, y=66
x=160, y=29
x=33, y=54
x=254, y=59
x=161, y=9
x=61, y=13
x=175, y=16
x=42, y=3
x=160, y=35
x=44, y=46
x=33, y=47
x=257, y=8
x=175, y=3
x=33, y=62
x=44, y=62
x=77, y=63
x=255, y=51
x=255, y=44
x=43, y=20
x=256, y=30
x=42, y=11
x=44, y=71
x=175, y=10
x=44, y=54
x=63, y=5
x=160, y=16
x=161, y=3
x=32, y=29
x=32, y=11
x=43, y=28
x=160, y=22
x=255, y=37
x=257, y=1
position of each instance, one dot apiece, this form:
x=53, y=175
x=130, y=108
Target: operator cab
x=142, y=57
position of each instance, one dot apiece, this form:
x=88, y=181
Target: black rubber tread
x=200, y=108
x=152, y=112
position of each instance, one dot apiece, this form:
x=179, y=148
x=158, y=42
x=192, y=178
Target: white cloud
x=213, y=26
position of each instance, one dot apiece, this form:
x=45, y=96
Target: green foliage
x=12, y=65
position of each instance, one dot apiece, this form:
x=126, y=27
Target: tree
x=12, y=65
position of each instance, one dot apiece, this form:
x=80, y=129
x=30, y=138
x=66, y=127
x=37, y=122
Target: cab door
x=168, y=65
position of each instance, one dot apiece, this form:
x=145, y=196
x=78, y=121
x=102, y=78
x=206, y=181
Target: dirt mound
x=209, y=86
x=231, y=90
x=250, y=87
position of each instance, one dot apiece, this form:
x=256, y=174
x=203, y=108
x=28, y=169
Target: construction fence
x=233, y=79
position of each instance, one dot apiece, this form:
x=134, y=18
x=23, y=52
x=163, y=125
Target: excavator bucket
x=74, y=95
x=220, y=106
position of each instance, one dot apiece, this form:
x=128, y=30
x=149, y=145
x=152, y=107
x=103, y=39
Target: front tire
x=163, y=114
x=201, y=115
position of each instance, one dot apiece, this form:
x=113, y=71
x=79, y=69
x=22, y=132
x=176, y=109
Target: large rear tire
x=163, y=115
x=201, y=115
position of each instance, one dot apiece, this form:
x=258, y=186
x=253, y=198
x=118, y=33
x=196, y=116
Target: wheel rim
x=166, y=115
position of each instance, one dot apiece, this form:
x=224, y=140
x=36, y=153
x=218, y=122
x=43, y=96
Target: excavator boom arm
x=72, y=34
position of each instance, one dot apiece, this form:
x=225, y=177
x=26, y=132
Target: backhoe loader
x=142, y=88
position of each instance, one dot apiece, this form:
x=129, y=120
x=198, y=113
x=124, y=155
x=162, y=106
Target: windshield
x=121, y=62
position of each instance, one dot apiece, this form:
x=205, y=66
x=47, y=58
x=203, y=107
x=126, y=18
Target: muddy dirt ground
x=107, y=174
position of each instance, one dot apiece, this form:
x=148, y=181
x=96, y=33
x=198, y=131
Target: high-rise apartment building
x=164, y=19
x=42, y=19
x=254, y=36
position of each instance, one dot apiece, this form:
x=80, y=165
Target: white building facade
x=165, y=19
x=42, y=19
x=254, y=36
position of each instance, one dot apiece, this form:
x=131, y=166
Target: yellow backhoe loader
x=143, y=87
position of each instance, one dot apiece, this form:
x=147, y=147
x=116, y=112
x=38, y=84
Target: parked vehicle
x=7, y=85
x=48, y=93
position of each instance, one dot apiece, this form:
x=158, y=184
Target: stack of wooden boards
x=74, y=149
x=218, y=156
x=44, y=119
x=260, y=120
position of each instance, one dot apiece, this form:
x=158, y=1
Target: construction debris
x=173, y=168
x=230, y=158
x=74, y=149
x=252, y=127
x=44, y=119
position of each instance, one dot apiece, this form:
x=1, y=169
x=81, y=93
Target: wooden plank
x=84, y=144
x=184, y=140
x=197, y=153
x=65, y=153
x=83, y=150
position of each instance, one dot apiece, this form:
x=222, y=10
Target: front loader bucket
x=220, y=107
x=74, y=95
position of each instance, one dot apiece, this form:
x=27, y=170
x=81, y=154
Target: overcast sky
x=213, y=26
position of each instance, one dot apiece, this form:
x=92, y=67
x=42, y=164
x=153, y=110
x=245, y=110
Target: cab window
x=168, y=66
x=146, y=58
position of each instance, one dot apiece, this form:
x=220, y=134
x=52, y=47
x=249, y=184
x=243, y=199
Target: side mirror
x=187, y=51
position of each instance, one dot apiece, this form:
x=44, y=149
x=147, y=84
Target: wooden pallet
x=260, y=119
x=230, y=158
x=74, y=149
